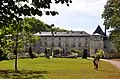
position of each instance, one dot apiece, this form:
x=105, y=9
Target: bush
x=42, y=54
x=11, y=56
x=78, y=52
x=3, y=57
x=36, y=55
x=99, y=53
x=26, y=55
x=57, y=51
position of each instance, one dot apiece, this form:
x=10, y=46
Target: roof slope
x=99, y=31
x=69, y=33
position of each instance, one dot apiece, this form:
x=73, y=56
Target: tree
x=30, y=40
x=111, y=17
x=115, y=37
x=57, y=29
x=12, y=10
x=33, y=25
x=36, y=24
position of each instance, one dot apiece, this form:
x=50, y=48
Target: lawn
x=57, y=68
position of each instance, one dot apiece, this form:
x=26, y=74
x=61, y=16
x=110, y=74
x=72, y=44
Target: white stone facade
x=73, y=39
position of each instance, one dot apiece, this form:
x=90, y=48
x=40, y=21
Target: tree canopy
x=111, y=14
x=12, y=10
x=111, y=17
x=36, y=25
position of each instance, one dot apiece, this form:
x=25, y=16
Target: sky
x=81, y=15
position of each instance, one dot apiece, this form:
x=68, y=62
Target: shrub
x=57, y=51
x=73, y=50
x=36, y=55
x=42, y=54
x=78, y=52
x=11, y=56
x=99, y=53
x=3, y=57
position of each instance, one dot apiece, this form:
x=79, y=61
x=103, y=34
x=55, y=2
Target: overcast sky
x=81, y=15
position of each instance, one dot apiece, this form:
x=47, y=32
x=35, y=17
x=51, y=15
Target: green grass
x=57, y=68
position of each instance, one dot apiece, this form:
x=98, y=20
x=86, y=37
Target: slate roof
x=99, y=31
x=69, y=33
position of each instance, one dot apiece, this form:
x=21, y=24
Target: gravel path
x=114, y=62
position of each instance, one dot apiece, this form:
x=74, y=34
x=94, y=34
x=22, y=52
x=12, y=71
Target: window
x=73, y=45
x=59, y=44
x=52, y=39
x=59, y=38
x=81, y=32
x=45, y=44
x=101, y=37
x=52, y=44
x=40, y=43
x=73, y=38
x=86, y=44
x=66, y=39
x=66, y=44
x=86, y=39
x=79, y=39
x=100, y=44
x=45, y=38
x=68, y=32
x=79, y=44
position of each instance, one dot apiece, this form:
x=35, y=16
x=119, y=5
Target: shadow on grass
x=22, y=74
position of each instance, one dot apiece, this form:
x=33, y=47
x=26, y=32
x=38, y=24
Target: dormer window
x=81, y=32
x=55, y=32
x=68, y=32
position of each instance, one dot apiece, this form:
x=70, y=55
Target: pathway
x=114, y=62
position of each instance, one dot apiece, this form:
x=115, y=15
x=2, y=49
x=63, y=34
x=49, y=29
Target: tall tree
x=36, y=24
x=12, y=10
x=111, y=17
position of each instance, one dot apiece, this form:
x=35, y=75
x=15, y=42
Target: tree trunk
x=30, y=52
x=16, y=68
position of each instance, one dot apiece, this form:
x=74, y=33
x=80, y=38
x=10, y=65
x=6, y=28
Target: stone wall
x=66, y=41
x=63, y=42
x=96, y=42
